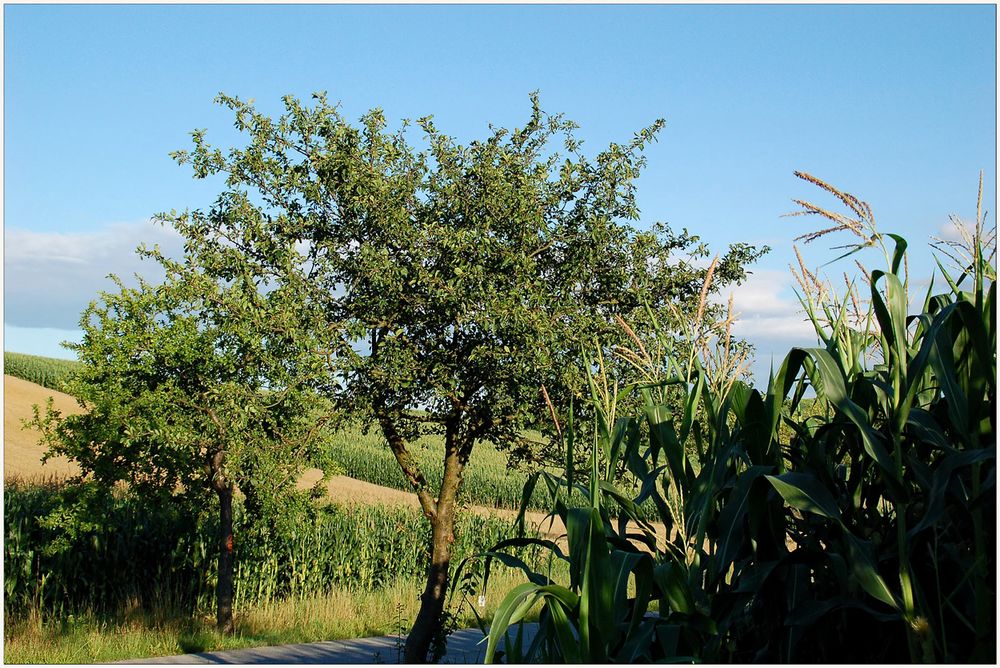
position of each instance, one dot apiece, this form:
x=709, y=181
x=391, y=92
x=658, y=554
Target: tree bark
x=428, y=622
x=441, y=513
x=223, y=486
x=427, y=625
x=224, y=587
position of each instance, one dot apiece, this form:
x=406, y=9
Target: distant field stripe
x=45, y=371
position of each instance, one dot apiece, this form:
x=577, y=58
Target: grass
x=339, y=614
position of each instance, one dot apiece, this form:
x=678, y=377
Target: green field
x=45, y=371
x=488, y=480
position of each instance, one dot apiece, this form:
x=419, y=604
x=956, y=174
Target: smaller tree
x=193, y=387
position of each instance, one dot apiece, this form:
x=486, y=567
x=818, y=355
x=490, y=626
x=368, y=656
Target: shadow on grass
x=195, y=640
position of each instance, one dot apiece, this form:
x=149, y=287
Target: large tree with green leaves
x=193, y=387
x=448, y=282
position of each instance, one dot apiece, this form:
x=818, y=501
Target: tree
x=450, y=283
x=192, y=387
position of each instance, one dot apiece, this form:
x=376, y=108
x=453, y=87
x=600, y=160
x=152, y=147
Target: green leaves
x=520, y=600
x=848, y=531
x=803, y=492
x=865, y=569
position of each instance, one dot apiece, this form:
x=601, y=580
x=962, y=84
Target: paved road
x=465, y=646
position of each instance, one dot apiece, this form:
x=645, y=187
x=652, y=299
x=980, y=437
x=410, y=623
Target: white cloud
x=768, y=310
x=50, y=277
x=954, y=228
x=793, y=328
x=770, y=317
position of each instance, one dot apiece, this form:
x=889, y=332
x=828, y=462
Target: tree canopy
x=192, y=387
x=451, y=280
x=447, y=283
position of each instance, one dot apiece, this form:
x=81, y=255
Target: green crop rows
x=488, y=481
x=308, y=550
x=45, y=371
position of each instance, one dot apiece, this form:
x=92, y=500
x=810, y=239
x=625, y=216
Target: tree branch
x=407, y=463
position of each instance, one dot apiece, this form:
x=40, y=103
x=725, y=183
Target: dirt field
x=22, y=453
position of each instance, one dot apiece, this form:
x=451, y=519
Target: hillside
x=22, y=451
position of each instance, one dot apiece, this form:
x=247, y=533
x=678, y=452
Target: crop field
x=45, y=371
x=488, y=479
x=311, y=550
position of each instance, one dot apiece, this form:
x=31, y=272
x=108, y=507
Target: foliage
x=866, y=536
x=59, y=570
x=45, y=371
x=447, y=284
x=171, y=377
x=191, y=387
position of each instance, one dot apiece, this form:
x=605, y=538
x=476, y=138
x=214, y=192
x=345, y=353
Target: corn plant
x=621, y=565
x=55, y=565
x=899, y=478
x=857, y=530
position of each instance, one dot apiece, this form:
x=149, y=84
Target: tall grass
x=132, y=633
x=45, y=371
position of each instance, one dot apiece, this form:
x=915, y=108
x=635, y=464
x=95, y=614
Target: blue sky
x=896, y=104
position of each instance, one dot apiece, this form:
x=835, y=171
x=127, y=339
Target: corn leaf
x=804, y=492
x=865, y=572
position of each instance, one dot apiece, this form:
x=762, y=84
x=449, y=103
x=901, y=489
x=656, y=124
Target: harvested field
x=22, y=452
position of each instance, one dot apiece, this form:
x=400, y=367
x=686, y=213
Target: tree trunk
x=428, y=621
x=224, y=587
x=441, y=513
